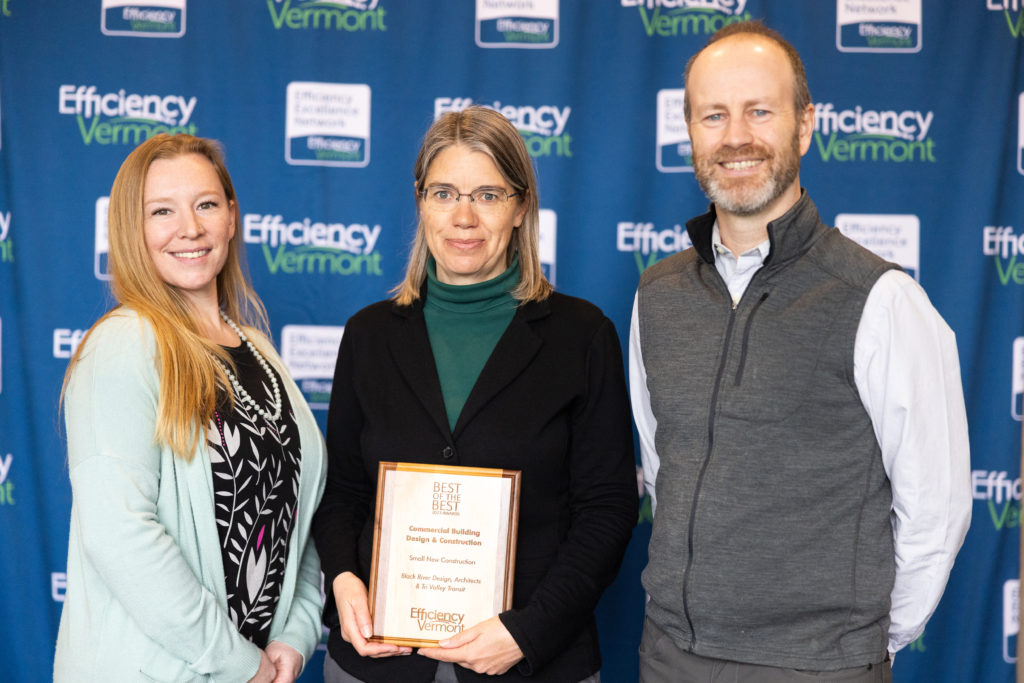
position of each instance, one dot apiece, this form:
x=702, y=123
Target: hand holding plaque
x=443, y=550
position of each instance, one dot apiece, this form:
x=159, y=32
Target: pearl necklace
x=239, y=389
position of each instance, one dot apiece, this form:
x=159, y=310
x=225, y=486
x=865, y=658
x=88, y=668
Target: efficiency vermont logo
x=672, y=18
x=648, y=244
x=1004, y=245
x=872, y=135
x=337, y=15
x=1013, y=10
x=120, y=117
x=543, y=127
x=1001, y=494
x=6, y=485
x=307, y=247
x=6, y=243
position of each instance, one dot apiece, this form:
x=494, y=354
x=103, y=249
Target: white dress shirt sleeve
x=907, y=372
x=640, y=396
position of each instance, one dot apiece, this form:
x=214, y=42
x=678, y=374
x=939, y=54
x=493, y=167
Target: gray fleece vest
x=771, y=542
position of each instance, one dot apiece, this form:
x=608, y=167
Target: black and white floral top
x=255, y=465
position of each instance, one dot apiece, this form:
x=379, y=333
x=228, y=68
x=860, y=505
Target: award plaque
x=444, y=550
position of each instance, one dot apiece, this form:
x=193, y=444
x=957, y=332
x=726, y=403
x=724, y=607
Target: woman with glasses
x=477, y=362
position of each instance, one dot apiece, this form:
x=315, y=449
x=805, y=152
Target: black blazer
x=551, y=401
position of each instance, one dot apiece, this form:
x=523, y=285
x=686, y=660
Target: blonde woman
x=195, y=463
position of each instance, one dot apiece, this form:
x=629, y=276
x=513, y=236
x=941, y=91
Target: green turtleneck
x=464, y=324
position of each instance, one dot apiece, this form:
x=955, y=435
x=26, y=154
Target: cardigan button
x=448, y=453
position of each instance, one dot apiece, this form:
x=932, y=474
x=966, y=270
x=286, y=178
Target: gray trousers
x=661, y=661
x=445, y=673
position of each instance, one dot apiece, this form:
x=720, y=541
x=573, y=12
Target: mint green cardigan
x=145, y=593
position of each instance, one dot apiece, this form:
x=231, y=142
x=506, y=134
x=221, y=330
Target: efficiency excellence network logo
x=327, y=124
x=1020, y=133
x=101, y=241
x=673, y=152
x=1017, y=380
x=147, y=19
x=671, y=18
x=878, y=26
x=859, y=134
x=548, y=246
x=543, y=127
x=124, y=118
x=337, y=15
x=1011, y=619
x=310, y=352
x=895, y=237
x=524, y=24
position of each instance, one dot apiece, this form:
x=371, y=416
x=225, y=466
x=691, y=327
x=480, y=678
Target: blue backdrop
x=918, y=153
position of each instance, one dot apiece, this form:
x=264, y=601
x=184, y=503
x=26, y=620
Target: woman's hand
x=267, y=672
x=287, y=661
x=354, y=613
x=487, y=648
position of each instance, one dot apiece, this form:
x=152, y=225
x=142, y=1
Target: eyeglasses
x=483, y=199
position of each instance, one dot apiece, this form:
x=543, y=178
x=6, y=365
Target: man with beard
x=800, y=411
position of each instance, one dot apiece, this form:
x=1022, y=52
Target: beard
x=748, y=196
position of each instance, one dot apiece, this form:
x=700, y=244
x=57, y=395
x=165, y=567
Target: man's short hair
x=801, y=93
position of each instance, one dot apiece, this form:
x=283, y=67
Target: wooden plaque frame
x=455, y=565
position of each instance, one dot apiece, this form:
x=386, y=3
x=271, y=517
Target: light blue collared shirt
x=737, y=271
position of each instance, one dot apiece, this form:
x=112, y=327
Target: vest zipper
x=746, y=339
x=700, y=477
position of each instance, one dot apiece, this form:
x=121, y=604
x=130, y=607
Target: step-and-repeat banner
x=918, y=153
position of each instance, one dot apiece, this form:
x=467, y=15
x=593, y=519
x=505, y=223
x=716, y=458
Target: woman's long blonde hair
x=483, y=130
x=190, y=375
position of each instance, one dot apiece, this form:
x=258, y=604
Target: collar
x=762, y=250
x=526, y=311
x=479, y=296
x=790, y=235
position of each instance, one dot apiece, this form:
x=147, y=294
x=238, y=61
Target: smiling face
x=747, y=139
x=468, y=245
x=188, y=224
